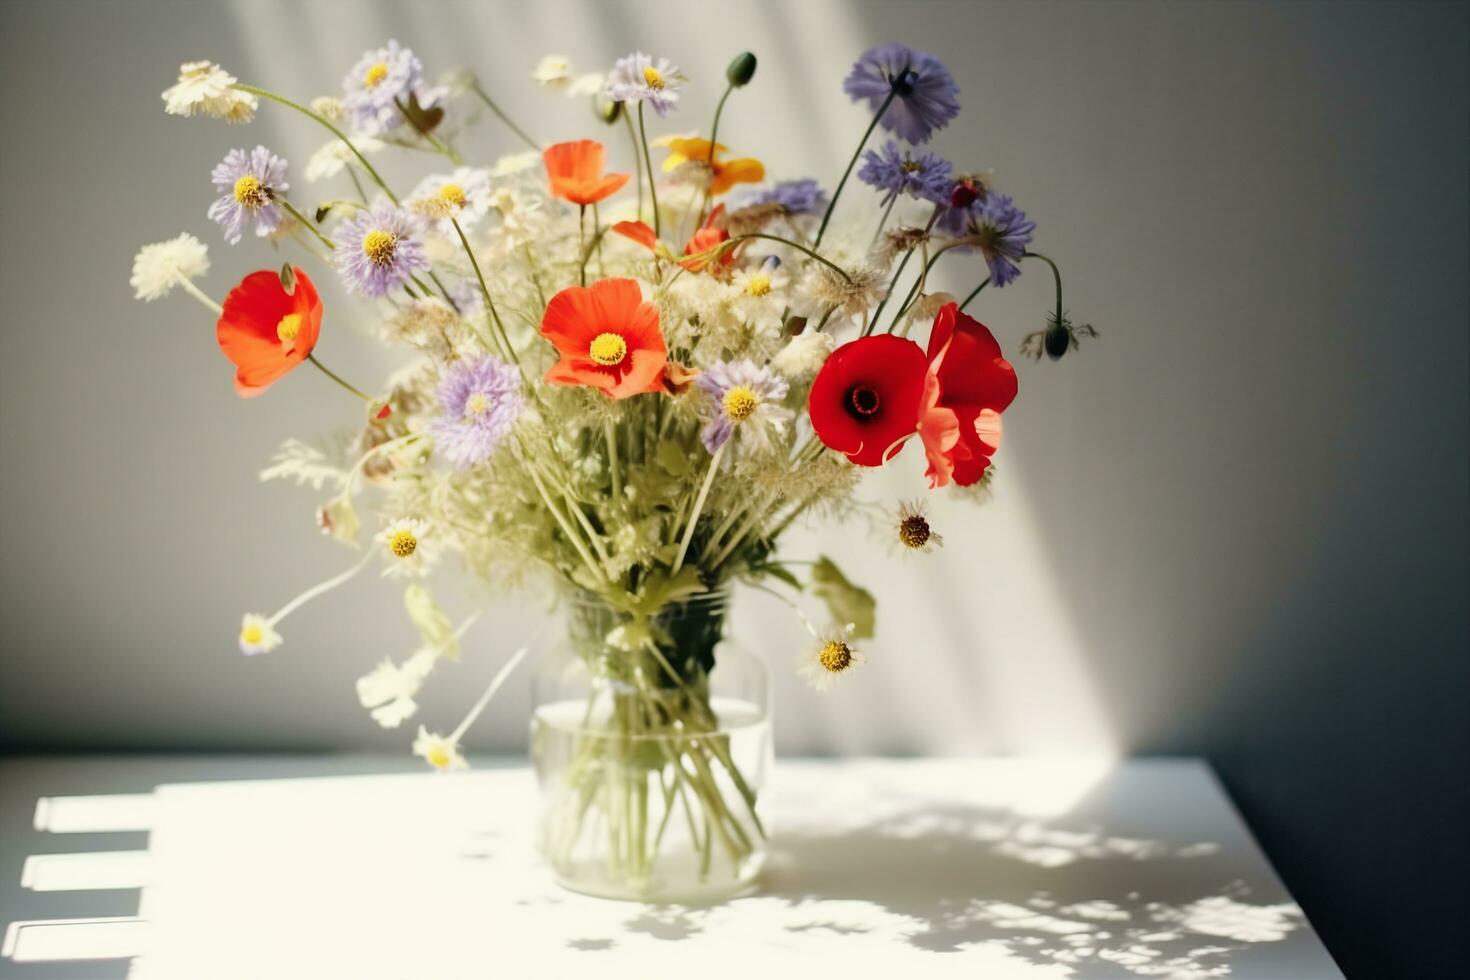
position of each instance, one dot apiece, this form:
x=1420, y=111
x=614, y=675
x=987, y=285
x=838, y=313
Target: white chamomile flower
x=515, y=163
x=158, y=268
x=330, y=108
x=204, y=87
x=335, y=155
x=388, y=690
x=914, y=532
x=463, y=195
x=759, y=296
x=552, y=71
x=440, y=752
x=403, y=540
x=829, y=658
x=804, y=355
x=257, y=635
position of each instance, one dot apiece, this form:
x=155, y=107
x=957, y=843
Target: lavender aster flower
x=744, y=397
x=927, y=97
x=381, y=79
x=1003, y=231
x=895, y=172
x=248, y=183
x=804, y=196
x=640, y=77
x=480, y=399
x=379, y=250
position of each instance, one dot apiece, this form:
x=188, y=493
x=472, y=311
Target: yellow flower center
x=403, y=544
x=379, y=246
x=249, y=192
x=252, y=635
x=914, y=531
x=375, y=74
x=476, y=405
x=836, y=656
x=758, y=285
x=289, y=327
x=652, y=76
x=608, y=349
x=439, y=757
x=910, y=166
x=740, y=403
x=453, y=195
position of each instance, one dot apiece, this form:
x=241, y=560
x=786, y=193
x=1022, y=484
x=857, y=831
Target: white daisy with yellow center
x=757, y=296
x=831, y=657
x=257, y=635
x=402, y=542
x=440, y=752
x=464, y=196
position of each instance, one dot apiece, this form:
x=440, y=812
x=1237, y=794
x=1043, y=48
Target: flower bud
x=606, y=109
x=1058, y=338
x=741, y=70
x=963, y=195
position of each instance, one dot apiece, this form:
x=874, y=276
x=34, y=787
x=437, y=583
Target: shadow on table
x=947, y=878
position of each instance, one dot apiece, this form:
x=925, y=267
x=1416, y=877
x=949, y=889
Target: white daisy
x=553, y=71
x=257, y=635
x=330, y=108
x=441, y=753
x=204, y=87
x=463, y=195
x=335, y=155
x=388, y=691
x=832, y=656
x=403, y=540
x=158, y=268
x=804, y=355
x=515, y=163
x=759, y=296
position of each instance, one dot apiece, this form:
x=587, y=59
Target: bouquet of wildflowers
x=628, y=383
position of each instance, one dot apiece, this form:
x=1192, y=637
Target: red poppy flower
x=266, y=331
x=608, y=337
x=639, y=232
x=576, y=173
x=865, y=400
x=969, y=383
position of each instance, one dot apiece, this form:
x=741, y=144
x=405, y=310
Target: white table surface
x=346, y=866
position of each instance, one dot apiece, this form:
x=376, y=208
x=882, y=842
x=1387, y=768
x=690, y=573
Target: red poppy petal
x=637, y=231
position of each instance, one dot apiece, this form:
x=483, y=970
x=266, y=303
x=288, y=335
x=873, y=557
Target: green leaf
x=437, y=630
x=779, y=572
x=673, y=458
x=846, y=602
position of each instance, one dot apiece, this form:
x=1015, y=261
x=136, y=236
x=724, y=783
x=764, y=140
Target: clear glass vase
x=651, y=741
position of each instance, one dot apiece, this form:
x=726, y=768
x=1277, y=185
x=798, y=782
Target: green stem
x=832, y=205
x=267, y=94
x=873, y=323
x=714, y=133
x=730, y=243
x=709, y=478
x=489, y=303
x=301, y=219
x=611, y=433
x=919, y=283
x=974, y=293
x=198, y=294
x=1056, y=274
x=338, y=378
x=439, y=146
x=652, y=180
x=484, y=97
x=637, y=159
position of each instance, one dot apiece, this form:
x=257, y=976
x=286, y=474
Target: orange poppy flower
x=709, y=236
x=608, y=337
x=265, y=331
x=725, y=174
x=576, y=173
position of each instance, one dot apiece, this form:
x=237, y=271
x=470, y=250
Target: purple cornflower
x=248, y=182
x=480, y=400
x=927, y=97
x=803, y=196
x=1000, y=229
x=640, y=77
x=378, y=250
x=924, y=175
x=742, y=396
x=381, y=79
